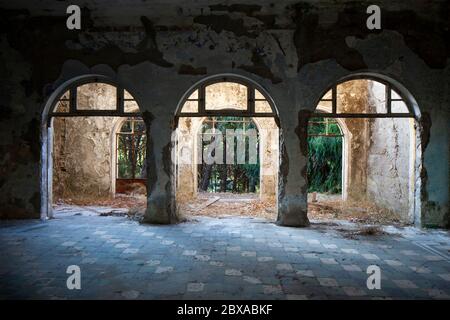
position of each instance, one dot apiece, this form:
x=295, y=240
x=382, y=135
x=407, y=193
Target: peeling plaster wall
x=353, y=97
x=389, y=162
x=388, y=165
x=270, y=153
x=158, y=50
x=379, y=164
x=187, y=184
x=82, y=157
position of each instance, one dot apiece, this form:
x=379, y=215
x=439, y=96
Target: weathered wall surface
x=186, y=155
x=390, y=161
x=388, y=165
x=82, y=157
x=270, y=153
x=158, y=50
x=353, y=97
x=379, y=162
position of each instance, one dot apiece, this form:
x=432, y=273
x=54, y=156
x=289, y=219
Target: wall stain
x=284, y=169
x=222, y=22
x=314, y=42
x=260, y=68
x=32, y=138
x=190, y=70
x=150, y=156
x=170, y=195
x=250, y=10
x=38, y=37
x=428, y=207
x=302, y=130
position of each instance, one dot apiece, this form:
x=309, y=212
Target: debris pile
x=226, y=204
x=132, y=206
x=363, y=212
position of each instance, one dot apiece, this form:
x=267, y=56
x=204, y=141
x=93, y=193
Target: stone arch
x=393, y=87
x=346, y=152
x=50, y=112
x=228, y=77
x=259, y=94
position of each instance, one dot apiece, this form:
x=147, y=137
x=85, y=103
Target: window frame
x=248, y=112
x=75, y=112
x=388, y=94
x=133, y=121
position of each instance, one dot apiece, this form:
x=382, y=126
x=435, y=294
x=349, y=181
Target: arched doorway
x=380, y=154
x=240, y=175
x=129, y=172
x=227, y=141
x=78, y=150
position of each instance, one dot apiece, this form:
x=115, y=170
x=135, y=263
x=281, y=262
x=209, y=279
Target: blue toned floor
x=227, y=258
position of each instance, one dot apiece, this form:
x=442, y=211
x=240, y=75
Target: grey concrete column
x=292, y=197
x=160, y=192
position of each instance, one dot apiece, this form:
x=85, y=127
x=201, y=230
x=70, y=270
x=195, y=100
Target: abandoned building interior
x=361, y=152
x=209, y=116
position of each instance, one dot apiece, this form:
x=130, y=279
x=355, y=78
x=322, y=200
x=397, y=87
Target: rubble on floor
x=228, y=204
x=364, y=212
x=132, y=206
x=74, y=210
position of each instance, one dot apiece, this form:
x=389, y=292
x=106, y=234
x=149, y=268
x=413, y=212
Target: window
x=238, y=170
x=95, y=99
x=226, y=95
x=380, y=101
x=324, y=170
x=96, y=96
x=226, y=98
x=131, y=150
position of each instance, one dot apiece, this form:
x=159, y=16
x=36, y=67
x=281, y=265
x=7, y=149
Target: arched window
x=94, y=98
x=382, y=101
x=227, y=140
x=363, y=130
x=213, y=98
x=130, y=151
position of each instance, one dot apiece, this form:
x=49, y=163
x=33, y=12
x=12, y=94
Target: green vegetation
x=237, y=178
x=131, y=141
x=324, y=156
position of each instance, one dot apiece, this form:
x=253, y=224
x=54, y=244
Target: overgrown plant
x=324, y=156
x=236, y=178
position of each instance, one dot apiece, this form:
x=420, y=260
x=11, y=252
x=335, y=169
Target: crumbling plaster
x=380, y=159
x=158, y=51
x=83, y=157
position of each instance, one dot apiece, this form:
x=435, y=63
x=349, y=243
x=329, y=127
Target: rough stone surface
x=380, y=160
x=82, y=157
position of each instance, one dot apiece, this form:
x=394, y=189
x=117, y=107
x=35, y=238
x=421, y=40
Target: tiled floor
x=229, y=258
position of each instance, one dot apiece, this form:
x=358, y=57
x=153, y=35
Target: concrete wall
x=389, y=165
x=158, y=50
x=186, y=158
x=270, y=153
x=380, y=161
x=353, y=97
x=82, y=157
